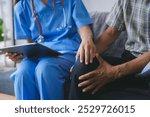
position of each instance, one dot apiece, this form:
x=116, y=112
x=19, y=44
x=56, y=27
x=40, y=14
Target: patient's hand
x=14, y=56
x=97, y=78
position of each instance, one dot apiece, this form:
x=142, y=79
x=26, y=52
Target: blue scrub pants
x=42, y=78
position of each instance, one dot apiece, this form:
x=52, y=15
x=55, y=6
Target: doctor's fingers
x=78, y=53
x=11, y=55
x=16, y=57
x=20, y=56
x=8, y=54
x=81, y=54
x=92, y=54
x=87, y=54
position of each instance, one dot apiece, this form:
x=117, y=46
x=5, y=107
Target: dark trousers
x=128, y=88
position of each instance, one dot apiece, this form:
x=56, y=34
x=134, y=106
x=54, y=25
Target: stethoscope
x=41, y=37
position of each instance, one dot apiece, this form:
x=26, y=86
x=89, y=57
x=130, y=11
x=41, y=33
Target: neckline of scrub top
x=39, y=5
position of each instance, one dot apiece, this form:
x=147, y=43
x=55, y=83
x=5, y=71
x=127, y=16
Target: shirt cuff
x=118, y=26
x=84, y=22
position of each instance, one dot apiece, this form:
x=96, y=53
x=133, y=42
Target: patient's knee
x=81, y=68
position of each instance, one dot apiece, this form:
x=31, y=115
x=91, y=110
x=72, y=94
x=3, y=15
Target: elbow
x=112, y=32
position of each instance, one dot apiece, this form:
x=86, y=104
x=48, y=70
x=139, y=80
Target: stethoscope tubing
x=40, y=37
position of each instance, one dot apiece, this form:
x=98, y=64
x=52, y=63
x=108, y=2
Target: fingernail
x=86, y=63
x=79, y=85
x=83, y=90
x=76, y=59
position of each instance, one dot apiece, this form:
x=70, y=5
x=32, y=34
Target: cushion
x=6, y=85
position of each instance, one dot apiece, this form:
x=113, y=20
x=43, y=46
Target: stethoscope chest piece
x=39, y=39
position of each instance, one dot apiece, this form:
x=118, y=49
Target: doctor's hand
x=96, y=79
x=14, y=56
x=86, y=51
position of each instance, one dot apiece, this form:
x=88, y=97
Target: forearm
x=132, y=67
x=106, y=39
x=85, y=33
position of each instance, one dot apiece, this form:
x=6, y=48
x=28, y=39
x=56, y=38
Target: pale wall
x=99, y=5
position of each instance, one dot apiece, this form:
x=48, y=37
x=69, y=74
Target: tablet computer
x=30, y=50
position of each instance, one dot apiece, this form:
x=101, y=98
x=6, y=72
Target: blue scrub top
x=59, y=34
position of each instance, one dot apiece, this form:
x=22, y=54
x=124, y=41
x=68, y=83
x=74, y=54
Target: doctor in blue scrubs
x=62, y=25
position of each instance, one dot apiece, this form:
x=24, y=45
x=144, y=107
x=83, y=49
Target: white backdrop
x=99, y=5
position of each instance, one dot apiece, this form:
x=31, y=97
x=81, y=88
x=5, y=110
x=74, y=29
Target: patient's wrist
x=117, y=72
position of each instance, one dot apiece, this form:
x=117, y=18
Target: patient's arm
x=106, y=39
x=134, y=66
x=104, y=70
x=128, y=68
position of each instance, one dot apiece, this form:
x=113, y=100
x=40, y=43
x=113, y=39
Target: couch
x=6, y=85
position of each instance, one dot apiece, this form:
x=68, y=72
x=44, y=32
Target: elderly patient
x=118, y=78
